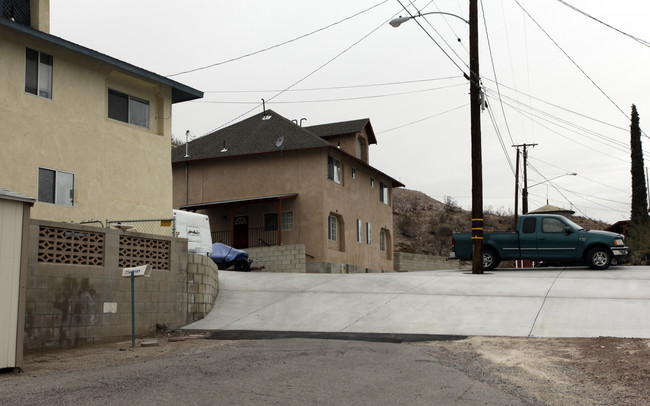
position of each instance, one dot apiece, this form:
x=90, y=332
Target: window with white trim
x=331, y=228
x=368, y=234
x=38, y=73
x=359, y=231
x=271, y=221
x=333, y=169
x=56, y=187
x=128, y=109
x=383, y=192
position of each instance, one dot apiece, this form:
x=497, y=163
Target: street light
x=475, y=105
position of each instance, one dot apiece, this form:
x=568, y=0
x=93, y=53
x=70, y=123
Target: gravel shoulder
x=539, y=371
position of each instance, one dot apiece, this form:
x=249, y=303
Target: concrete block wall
x=70, y=305
x=330, y=267
x=285, y=258
x=417, y=262
x=202, y=286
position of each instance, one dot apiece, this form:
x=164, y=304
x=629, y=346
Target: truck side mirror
x=568, y=230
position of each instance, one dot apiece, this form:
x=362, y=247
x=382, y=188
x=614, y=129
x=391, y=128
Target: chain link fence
x=165, y=227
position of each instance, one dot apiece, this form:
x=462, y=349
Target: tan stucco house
x=268, y=181
x=86, y=134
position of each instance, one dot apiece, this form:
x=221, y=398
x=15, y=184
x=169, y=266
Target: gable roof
x=180, y=92
x=343, y=128
x=258, y=134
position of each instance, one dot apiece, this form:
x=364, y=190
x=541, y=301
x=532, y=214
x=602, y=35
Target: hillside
x=424, y=225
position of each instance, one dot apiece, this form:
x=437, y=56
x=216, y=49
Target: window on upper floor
x=331, y=228
x=383, y=192
x=372, y=182
x=56, y=187
x=368, y=234
x=354, y=173
x=333, y=169
x=38, y=73
x=271, y=221
x=359, y=231
x=128, y=109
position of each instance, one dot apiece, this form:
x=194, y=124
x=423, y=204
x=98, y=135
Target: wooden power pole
x=477, y=162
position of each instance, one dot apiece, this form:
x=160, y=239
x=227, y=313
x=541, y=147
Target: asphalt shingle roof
x=344, y=127
x=258, y=134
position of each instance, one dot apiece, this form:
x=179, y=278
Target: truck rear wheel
x=599, y=258
x=490, y=259
x=242, y=265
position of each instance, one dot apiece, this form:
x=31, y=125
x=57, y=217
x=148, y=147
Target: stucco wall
x=71, y=304
x=416, y=262
x=126, y=165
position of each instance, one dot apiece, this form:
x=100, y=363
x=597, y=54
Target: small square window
x=55, y=187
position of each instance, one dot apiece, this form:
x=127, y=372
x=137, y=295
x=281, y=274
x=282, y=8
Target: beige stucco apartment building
x=86, y=134
x=315, y=182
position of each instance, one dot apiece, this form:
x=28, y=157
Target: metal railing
x=257, y=237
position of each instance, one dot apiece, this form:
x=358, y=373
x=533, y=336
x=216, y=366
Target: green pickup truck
x=547, y=238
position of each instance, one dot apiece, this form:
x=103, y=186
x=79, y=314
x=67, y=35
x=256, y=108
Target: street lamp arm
x=397, y=21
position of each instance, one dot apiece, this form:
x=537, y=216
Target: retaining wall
x=76, y=294
x=202, y=286
x=285, y=258
x=417, y=262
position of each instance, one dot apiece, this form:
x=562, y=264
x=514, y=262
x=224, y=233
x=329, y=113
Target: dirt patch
x=557, y=371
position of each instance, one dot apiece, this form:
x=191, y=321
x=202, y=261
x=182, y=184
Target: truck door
x=528, y=238
x=553, y=242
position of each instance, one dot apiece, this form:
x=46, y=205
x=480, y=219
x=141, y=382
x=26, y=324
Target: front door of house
x=241, y=232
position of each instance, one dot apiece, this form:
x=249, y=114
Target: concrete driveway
x=558, y=302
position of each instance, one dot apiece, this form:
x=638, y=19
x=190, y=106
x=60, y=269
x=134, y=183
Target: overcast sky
x=553, y=76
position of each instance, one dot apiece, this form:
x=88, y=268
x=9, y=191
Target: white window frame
x=359, y=230
x=332, y=225
x=132, y=103
x=334, y=169
x=62, y=188
x=368, y=233
x=286, y=217
x=383, y=192
x=41, y=75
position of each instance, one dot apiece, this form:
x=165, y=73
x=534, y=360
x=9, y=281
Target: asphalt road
x=262, y=372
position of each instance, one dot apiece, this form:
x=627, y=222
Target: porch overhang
x=237, y=202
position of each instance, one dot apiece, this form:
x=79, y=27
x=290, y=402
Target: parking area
x=550, y=302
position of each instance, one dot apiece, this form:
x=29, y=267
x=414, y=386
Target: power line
x=278, y=45
x=571, y=59
x=423, y=119
x=336, y=87
x=304, y=77
x=639, y=40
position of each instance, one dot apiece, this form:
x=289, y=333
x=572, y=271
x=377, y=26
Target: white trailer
x=196, y=228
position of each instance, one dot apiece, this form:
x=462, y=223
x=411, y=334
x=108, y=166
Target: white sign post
x=144, y=270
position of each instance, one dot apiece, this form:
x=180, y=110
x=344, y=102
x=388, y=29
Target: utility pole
x=524, y=192
x=477, y=162
x=516, y=190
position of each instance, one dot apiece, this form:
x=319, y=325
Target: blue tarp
x=224, y=254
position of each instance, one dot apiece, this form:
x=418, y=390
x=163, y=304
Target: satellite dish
x=279, y=141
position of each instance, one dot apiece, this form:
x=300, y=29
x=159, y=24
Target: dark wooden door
x=241, y=232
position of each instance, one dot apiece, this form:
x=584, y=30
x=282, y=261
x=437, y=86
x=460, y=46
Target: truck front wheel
x=490, y=259
x=599, y=258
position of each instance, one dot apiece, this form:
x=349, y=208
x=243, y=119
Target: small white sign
x=110, y=307
x=144, y=270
